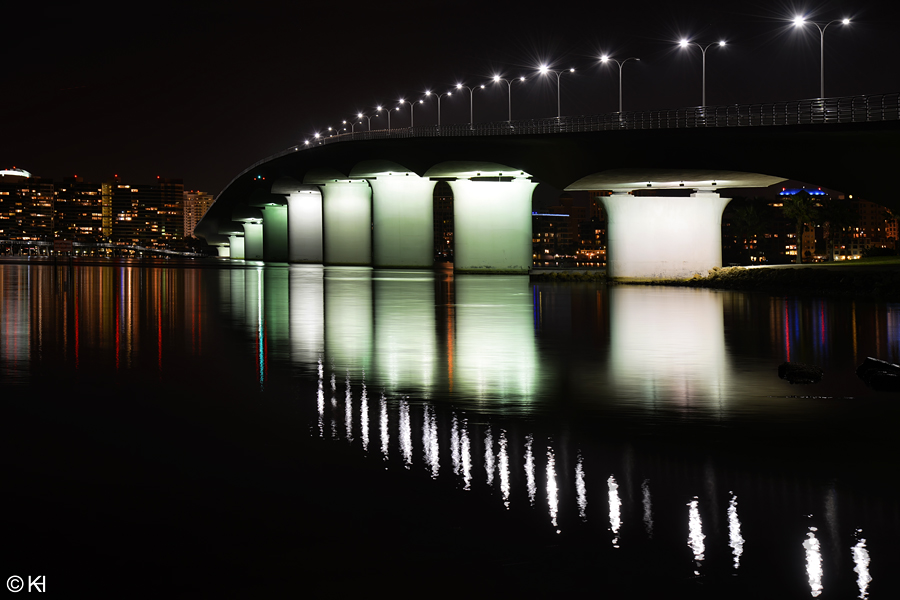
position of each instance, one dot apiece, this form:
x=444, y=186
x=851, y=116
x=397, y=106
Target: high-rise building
x=195, y=206
x=26, y=206
x=79, y=210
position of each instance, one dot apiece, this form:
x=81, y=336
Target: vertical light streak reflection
x=466, y=452
x=695, y=532
x=364, y=418
x=735, y=540
x=503, y=466
x=405, y=434
x=580, y=488
x=320, y=398
x=615, y=504
x=648, y=508
x=489, y=456
x=813, y=562
x=333, y=405
x=529, y=469
x=861, y=560
x=430, y=441
x=348, y=409
x=552, y=490
x=385, y=434
x=454, y=446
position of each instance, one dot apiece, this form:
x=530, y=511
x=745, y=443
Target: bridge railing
x=850, y=109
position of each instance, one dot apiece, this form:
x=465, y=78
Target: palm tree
x=805, y=212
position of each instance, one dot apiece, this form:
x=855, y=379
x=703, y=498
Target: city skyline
x=203, y=92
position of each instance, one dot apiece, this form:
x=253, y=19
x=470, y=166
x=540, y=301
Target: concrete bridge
x=365, y=198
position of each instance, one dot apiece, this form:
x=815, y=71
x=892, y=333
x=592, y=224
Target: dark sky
x=201, y=90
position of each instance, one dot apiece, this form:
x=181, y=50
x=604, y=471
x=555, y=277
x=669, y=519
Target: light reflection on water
x=482, y=348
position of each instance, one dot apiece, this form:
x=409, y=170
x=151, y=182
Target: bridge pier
x=403, y=220
x=347, y=222
x=656, y=237
x=275, y=233
x=492, y=224
x=305, y=225
x=251, y=218
x=235, y=234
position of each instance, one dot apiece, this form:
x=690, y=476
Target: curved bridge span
x=344, y=196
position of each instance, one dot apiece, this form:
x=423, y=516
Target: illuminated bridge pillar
x=654, y=237
x=347, y=222
x=403, y=220
x=305, y=225
x=492, y=225
x=235, y=233
x=253, y=231
x=275, y=233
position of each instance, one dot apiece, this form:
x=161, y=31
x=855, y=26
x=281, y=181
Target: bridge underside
x=652, y=233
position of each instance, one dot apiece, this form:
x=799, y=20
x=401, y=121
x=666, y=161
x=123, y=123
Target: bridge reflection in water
x=541, y=399
x=422, y=370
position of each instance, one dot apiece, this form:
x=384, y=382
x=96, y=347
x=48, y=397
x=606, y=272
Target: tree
x=837, y=214
x=805, y=212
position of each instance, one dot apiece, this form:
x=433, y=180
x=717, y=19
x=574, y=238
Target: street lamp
x=338, y=130
x=388, y=112
x=368, y=118
x=460, y=86
x=439, y=96
x=605, y=59
x=798, y=22
x=544, y=70
x=412, y=105
x=703, y=49
x=498, y=79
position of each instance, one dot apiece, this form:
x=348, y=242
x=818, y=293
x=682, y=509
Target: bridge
x=365, y=198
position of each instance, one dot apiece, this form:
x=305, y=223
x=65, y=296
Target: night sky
x=201, y=90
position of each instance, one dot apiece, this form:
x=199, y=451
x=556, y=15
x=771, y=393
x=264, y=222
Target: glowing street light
x=412, y=105
x=605, y=59
x=703, y=49
x=439, y=96
x=388, y=112
x=498, y=79
x=338, y=130
x=544, y=69
x=368, y=118
x=799, y=21
x=460, y=86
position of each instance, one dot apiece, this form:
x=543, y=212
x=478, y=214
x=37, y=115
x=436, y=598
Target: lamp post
x=498, y=79
x=605, y=59
x=544, y=70
x=460, y=86
x=798, y=22
x=703, y=49
x=337, y=130
x=388, y=112
x=368, y=118
x=412, y=105
x=439, y=96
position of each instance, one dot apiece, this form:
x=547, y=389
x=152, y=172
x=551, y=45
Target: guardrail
x=850, y=109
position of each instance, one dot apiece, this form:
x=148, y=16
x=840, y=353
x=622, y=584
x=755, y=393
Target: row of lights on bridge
x=798, y=21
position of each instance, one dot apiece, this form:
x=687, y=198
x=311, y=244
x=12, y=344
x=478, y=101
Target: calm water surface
x=635, y=439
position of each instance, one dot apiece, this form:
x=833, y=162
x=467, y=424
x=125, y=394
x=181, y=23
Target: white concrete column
x=492, y=225
x=236, y=242
x=275, y=233
x=305, y=226
x=223, y=251
x=654, y=237
x=403, y=220
x=347, y=222
x=253, y=240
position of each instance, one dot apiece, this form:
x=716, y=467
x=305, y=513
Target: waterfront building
x=196, y=204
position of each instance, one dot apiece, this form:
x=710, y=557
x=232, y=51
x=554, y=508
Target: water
x=297, y=428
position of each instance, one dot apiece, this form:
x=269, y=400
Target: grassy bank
x=866, y=278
